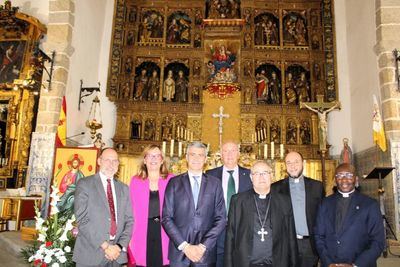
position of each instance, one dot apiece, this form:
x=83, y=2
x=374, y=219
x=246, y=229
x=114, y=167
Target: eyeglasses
x=154, y=156
x=261, y=174
x=343, y=175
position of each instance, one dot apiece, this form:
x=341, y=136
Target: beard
x=296, y=175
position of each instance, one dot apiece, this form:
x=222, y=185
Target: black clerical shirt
x=262, y=250
x=342, y=206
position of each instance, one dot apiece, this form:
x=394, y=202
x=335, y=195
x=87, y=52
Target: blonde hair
x=142, y=170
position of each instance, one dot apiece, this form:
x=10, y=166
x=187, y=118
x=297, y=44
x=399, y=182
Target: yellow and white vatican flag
x=379, y=132
x=61, y=136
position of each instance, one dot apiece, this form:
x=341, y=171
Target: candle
x=178, y=132
x=191, y=136
x=179, y=149
x=259, y=135
x=282, y=151
x=272, y=150
x=183, y=133
x=208, y=148
x=171, y=150
x=264, y=134
x=164, y=147
x=265, y=151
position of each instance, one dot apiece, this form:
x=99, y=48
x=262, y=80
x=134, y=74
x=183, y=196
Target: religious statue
x=321, y=110
x=157, y=26
x=248, y=68
x=270, y=32
x=125, y=90
x=213, y=9
x=261, y=86
x=181, y=87
x=196, y=68
x=222, y=58
x=248, y=95
x=141, y=85
x=169, y=87
x=154, y=86
x=291, y=133
x=149, y=129
x=132, y=15
x=196, y=94
x=274, y=88
x=144, y=30
x=289, y=30
x=197, y=40
x=275, y=131
x=303, y=88
x=247, y=16
x=247, y=40
x=305, y=133
x=346, y=155
x=130, y=38
x=290, y=91
x=314, y=42
x=128, y=65
x=173, y=32
x=300, y=36
x=166, y=129
x=198, y=17
x=136, y=126
x=317, y=72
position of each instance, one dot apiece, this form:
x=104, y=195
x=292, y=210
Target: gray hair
x=260, y=162
x=196, y=144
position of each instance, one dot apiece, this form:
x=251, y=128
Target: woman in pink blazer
x=149, y=242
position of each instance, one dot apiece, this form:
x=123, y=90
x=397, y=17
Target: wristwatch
x=121, y=247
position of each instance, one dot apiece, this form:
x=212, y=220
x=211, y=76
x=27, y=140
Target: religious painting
x=178, y=28
x=298, y=87
x=147, y=82
x=176, y=82
x=151, y=27
x=223, y=9
x=11, y=59
x=221, y=61
x=268, y=84
x=295, y=28
x=266, y=30
x=70, y=165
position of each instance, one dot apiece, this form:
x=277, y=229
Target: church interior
x=312, y=76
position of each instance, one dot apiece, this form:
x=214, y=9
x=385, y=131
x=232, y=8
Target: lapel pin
x=357, y=207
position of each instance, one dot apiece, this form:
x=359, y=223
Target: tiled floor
x=11, y=243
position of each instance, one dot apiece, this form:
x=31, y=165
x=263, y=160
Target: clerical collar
x=261, y=196
x=348, y=194
x=296, y=180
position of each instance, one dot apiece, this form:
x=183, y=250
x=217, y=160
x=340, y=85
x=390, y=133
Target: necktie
x=110, y=198
x=196, y=190
x=231, y=189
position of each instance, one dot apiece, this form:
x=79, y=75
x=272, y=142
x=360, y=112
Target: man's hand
x=193, y=252
x=112, y=252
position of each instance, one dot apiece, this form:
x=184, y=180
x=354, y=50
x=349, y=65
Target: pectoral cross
x=263, y=233
x=221, y=116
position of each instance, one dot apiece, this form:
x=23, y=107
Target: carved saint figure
x=196, y=94
x=275, y=131
x=274, y=88
x=196, y=68
x=166, y=129
x=291, y=133
x=290, y=91
x=149, y=129
x=346, y=155
x=305, y=133
x=154, y=86
x=303, y=88
x=181, y=87
x=261, y=86
x=169, y=87
x=141, y=85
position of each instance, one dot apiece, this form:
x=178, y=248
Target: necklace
x=262, y=231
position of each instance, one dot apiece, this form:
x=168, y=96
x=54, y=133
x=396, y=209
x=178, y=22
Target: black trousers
x=306, y=253
x=154, y=249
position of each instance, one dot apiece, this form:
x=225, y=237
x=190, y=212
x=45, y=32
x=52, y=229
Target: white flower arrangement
x=56, y=237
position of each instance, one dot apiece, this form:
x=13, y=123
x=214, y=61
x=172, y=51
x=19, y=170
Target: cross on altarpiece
x=322, y=109
x=221, y=116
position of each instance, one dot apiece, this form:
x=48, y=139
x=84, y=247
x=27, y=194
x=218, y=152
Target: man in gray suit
x=104, y=216
x=193, y=213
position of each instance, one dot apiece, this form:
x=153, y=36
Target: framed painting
x=70, y=165
x=11, y=59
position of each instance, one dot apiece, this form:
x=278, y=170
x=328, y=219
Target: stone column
x=59, y=36
x=387, y=39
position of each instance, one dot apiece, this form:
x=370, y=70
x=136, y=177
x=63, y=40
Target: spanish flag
x=379, y=132
x=61, y=137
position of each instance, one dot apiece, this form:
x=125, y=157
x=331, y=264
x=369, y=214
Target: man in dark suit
x=349, y=228
x=234, y=179
x=260, y=231
x=193, y=213
x=104, y=216
x=306, y=195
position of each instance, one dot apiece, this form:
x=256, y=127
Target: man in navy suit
x=349, y=228
x=234, y=179
x=193, y=213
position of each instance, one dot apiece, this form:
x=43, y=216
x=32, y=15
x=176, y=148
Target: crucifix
x=262, y=233
x=322, y=109
x=221, y=116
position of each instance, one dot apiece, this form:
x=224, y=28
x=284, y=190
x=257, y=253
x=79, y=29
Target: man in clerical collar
x=349, y=228
x=306, y=195
x=261, y=230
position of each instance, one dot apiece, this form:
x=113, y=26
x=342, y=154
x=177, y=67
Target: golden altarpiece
x=180, y=68
x=21, y=69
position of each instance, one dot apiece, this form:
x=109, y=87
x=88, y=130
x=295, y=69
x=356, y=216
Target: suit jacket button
x=197, y=213
x=338, y=242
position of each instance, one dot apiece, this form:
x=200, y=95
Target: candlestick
x=272, y=150
x=265, y=151
x=171, y=150
x=282, y=151
x=259, y=135
x=179, y=149
x=191, y=136
x=164, y=147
